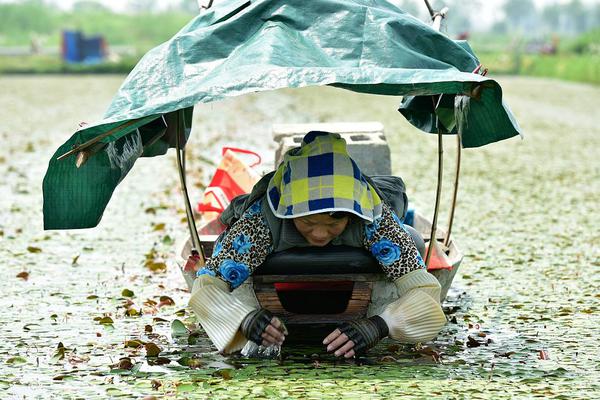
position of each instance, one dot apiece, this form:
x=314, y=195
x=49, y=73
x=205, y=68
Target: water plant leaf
x=226, y=374
x=156, y=266
x=152, y=350
x=132, y=312
x=105, y=321
x=34, y=249
x=166, y=301
x=134, y=343
x=16, y=360
x=178, y=328
x=127, y=293
x=23, y=275
x=186, y=387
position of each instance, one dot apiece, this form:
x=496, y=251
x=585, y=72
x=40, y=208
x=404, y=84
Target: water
x=523, y=317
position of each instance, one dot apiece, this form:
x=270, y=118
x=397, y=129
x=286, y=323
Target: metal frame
x=180, y=152
x=437, y=17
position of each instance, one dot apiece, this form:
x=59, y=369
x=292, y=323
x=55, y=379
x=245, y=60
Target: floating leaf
x=135, y=343
x=33, y=249
x=75, y=259
x=150, y=302
x=226, y=374
x=132, y=312
x=27, y=327
x=124, y=363
x=166, y=301
x=178, y=328
x=192, y=363
x=168, y=240
x=92, y=297
x=156, y=266
x=127, y=293
x=16, y=360
x=159, y=361
x=186, y=387
x=59, y=354
x=23, y=275
x=105, y=321
x=193, y=338
x=159, y=227
x=152, y=350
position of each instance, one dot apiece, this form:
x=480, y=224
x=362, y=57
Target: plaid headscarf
x=319, y=176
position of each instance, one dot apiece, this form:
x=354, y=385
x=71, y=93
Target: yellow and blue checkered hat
x=319, y=176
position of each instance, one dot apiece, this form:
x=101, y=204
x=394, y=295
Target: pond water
x=83, y=310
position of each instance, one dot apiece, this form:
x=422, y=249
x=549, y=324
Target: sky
x=487, y=9
x=488, y=6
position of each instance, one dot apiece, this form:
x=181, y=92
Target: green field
x=577, y=57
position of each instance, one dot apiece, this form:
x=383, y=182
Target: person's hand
x=340, y=344
x=263, y=328
x=355, y=337
x=274, y=333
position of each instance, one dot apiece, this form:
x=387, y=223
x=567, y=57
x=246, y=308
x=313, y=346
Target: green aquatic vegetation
x=522, y=319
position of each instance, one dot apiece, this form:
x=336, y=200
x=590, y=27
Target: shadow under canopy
x=238, y=47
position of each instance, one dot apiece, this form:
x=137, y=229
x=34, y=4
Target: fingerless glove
x=365, y=333
x=254, y=324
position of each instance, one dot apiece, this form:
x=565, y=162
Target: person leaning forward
x=317, y=196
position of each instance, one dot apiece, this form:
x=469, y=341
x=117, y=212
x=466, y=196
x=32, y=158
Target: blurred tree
x=141, y=6
x=595, y=17
x=29, y=16
x=520, y=14
x=188, y=6
x=89, y=6
x=577, y=17
x=551, y=18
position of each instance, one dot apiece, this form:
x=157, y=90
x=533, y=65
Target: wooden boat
x=313, y=289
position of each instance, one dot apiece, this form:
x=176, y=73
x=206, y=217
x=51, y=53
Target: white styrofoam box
x=365, y=140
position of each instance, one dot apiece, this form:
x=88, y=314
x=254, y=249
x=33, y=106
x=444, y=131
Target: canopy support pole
x=438, y=193
x=455, y=192
x=98, y=138
x=196, y=246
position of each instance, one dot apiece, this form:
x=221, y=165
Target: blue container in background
x=71, y=46
x=78, y=49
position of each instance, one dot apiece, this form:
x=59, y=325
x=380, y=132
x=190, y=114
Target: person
x=316, y=197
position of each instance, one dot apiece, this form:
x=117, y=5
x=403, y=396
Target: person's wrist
x=254, y=323
x=382, y=326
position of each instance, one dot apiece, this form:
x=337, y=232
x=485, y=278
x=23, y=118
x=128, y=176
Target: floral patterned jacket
x=246, y=243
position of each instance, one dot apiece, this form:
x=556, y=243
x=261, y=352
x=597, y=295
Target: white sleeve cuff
x=219, y=313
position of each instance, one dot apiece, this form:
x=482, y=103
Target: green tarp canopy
x=239, y=47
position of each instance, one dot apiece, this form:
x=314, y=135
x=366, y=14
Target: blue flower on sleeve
x=242, y=244
x=233, y=272
x=386, y=252
x=371, y=228
x=205, y=271
x=217, y=249
x=254, y=208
